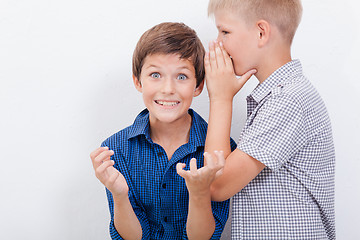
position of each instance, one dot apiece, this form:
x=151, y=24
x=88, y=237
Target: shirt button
x=165, y=219
x=160, y=154
x=164, y=185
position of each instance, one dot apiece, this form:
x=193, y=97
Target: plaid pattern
x=157, y=193
x=288, y=130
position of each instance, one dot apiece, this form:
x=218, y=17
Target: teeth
x=167, y=103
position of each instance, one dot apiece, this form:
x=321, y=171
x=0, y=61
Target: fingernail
x=221, y=44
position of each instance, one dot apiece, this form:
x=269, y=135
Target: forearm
x=125, y=219
x=239, y=170
x=200, y=222
x=219, y=126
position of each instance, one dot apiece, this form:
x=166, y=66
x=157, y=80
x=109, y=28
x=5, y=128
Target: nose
x=168, y=86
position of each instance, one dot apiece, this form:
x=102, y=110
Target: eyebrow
x=179, y=68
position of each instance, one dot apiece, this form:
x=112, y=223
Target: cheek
x=228, y=49
x=188, y=93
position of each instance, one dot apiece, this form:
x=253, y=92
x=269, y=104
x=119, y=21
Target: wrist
x=223, y=100
x=120, y=198
x=200, y=195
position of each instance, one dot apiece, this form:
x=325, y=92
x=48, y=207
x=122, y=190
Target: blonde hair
x=284, y=14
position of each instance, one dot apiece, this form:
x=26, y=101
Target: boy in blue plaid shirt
x=281, y=176
x=150, y=195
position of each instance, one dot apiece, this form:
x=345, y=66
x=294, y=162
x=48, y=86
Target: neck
x=271, y=62
x=170, y=135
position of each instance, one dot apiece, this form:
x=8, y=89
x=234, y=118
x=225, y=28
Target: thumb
x=246, y=76
x=180, y=170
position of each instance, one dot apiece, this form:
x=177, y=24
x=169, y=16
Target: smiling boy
x=138, y=165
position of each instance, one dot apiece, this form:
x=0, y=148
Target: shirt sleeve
x=232, y=144
x=220, y=212
x=275, y=132
x=139, y=212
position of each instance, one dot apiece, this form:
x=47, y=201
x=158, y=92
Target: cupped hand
x=221, y=81
x=198, y=181
x=112, y=179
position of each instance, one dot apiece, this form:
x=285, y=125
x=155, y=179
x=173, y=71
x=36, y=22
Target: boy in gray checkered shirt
x=281, y=177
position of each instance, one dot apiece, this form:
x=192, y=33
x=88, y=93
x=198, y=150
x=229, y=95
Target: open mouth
x=167, y=103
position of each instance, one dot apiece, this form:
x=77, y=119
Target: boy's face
x=238, y=39
x=168, y=85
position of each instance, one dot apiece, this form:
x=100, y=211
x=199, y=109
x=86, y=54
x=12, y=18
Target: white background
x=65, y=72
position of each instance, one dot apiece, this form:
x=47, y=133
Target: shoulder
x=299, y=93
x=197, y=121
x=122, y=137
x=296, y=93
x=117, y=139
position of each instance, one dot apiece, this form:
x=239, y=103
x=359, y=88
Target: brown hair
x=170, y=38
x=284, y=14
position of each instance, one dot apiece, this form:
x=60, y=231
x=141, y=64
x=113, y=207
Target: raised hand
x=198, y=181
x=107, y=174
x=221, y=80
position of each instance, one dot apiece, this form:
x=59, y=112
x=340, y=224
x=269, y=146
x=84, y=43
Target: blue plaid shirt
x=157, y=193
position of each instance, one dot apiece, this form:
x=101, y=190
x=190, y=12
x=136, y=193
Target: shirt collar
x=277, y=78
x=141, y=126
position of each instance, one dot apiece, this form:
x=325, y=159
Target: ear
x=137, y=83
x=199, y=89
x=264, y=30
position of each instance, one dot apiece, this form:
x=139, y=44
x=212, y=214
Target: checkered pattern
x=157, y=193
x=288, y=130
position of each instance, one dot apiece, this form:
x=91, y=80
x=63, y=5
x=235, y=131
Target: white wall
x=65, y=71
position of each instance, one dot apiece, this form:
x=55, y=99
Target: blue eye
x=182, y=77
x=155, y=75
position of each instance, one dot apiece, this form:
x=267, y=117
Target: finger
x=97, y=151
x=103, y=156
x=100, y=172
x=209, y=160
x=212, y=56
x=220, y=162
x=220, y=158
x=180, y=169
x=219, y=56
x=193, y=167
x=207, y=62
x=113, y=177
x=227, y=58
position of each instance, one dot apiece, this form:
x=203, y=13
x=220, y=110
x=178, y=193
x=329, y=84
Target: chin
x=241, y=71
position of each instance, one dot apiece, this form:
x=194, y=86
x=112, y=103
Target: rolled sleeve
x=220, y=212
x=276, y=132
x=138, y=212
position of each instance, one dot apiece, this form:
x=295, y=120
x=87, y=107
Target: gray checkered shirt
x=288, y=130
